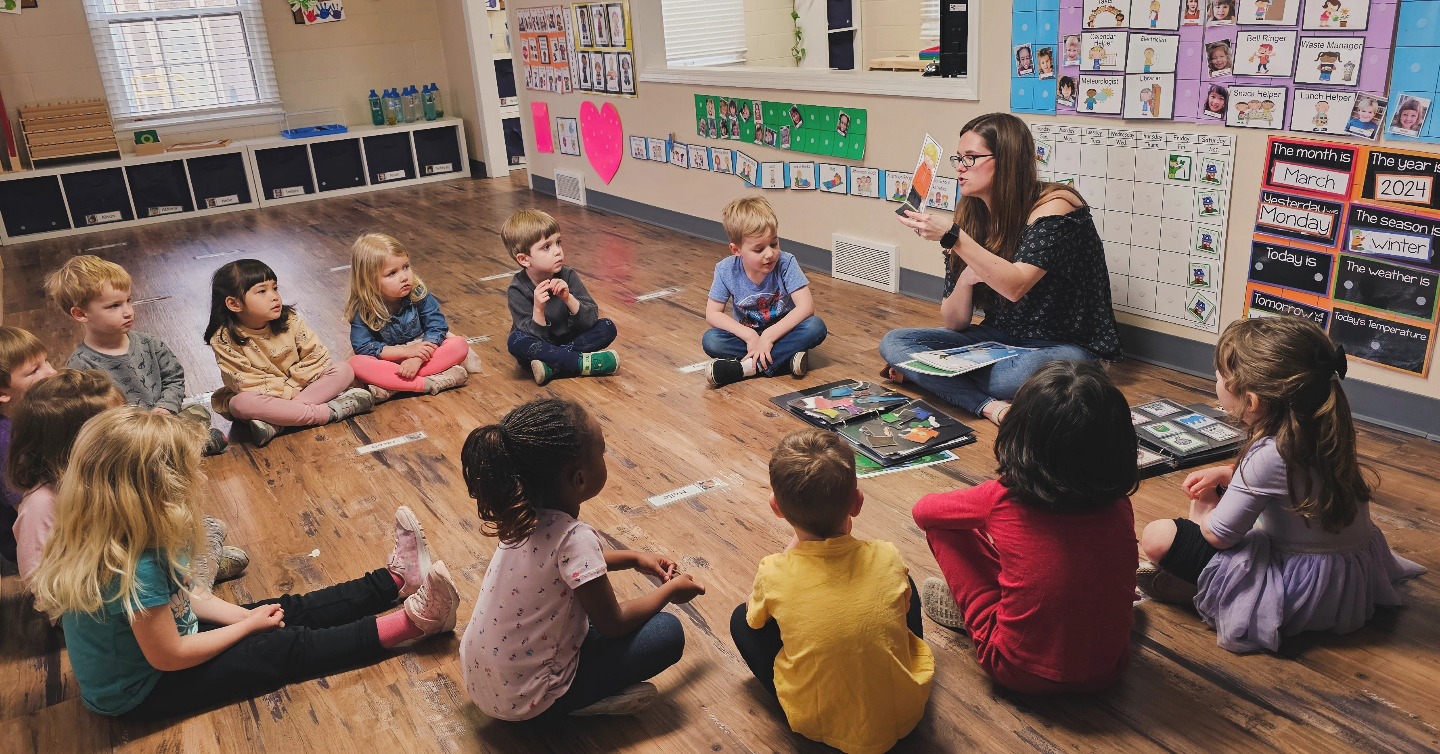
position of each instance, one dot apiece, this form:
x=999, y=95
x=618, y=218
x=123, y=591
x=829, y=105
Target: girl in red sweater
x=1040, y=565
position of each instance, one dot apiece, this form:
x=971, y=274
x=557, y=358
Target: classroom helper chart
x=1160, y=201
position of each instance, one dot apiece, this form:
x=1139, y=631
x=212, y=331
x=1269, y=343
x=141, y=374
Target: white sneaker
x=938, y=603
x=356, y=400
x=432, y=609
x=380, y=394
x=800, y=364
x=261, y=433
x=453, y=377
x=410, y=560
x=472, y=362
x=627, y=702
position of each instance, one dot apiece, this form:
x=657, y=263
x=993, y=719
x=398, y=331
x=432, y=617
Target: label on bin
x=390, y=176
x=168, y=209
x=222, y=201
x=104, y=217
x=444, y=167
x=281, y=193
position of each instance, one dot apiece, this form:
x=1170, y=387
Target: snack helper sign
x=1345, y=236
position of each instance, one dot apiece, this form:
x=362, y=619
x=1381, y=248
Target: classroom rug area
x=312, y=511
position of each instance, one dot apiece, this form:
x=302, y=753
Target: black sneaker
x=724, y=372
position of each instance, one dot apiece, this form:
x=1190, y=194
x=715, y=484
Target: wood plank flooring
x=309, y=493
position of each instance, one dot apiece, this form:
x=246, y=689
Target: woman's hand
x=968, y=278
x=925, y=225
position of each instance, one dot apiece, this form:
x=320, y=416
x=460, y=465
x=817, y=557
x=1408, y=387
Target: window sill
x=882, y=83
x=193, y=123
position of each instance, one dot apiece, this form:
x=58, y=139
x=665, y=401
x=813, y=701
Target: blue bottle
x=377, y=109
x=439, y=103
x=427, y=99
x=393, y=114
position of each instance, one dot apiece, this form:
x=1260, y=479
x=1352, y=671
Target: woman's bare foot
x=995, y=411
x=892, y=374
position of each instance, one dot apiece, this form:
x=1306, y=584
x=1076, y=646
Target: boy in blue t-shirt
x=774, y=327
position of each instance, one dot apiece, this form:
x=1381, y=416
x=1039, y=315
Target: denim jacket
x=414, y=320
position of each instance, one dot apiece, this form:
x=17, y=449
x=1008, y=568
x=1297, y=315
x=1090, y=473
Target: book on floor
x=1173, y=436
x=887, y=427
x=949, y=362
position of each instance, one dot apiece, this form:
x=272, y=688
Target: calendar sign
x=1401, y=178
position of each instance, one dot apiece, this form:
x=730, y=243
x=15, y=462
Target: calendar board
x=1160, y=201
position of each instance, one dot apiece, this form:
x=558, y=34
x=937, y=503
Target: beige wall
x=46, y=54
x=769, y=33
x=889, y=28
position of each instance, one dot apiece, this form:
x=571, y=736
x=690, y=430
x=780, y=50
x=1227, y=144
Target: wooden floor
x=1374, y=690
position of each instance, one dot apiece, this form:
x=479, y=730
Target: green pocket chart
x=837, y=132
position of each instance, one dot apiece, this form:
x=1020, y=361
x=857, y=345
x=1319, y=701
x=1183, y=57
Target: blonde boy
x=556, y=326
x=852, y=670
x=23, y=362
x=773, y=326
x=96, y=294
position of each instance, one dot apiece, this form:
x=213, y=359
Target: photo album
x=884, y=426
x=1180, y=437
x=949, y=362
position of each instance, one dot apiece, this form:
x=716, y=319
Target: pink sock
x=399, y=582
x=395, y=628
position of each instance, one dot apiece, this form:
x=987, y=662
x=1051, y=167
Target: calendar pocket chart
x=1159, y=201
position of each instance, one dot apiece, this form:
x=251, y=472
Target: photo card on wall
x=1333, y=61
x=1366, y=116
x=1321, y=111
x=1257, y=107
x=1336, y=15
x=1103, y=50
x=1410, y=113
x=1099, y=94
x=1152, y=53
x=1265, y=53
x=1150, y=95
x=1267, y=12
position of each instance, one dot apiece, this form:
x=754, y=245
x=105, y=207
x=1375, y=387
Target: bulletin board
x=605, y=49
x=1346, y=236
x=1160, y=202
x=837, y=132
x=1416, y=71
x=545, y=49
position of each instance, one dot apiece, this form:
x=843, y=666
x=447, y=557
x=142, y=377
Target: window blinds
x=169, y=61
x=929, y=23
x=704, y=32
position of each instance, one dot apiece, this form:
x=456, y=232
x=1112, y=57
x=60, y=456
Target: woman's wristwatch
x=951, y=237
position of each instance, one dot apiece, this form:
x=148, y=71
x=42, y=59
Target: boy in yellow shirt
x=853, y=670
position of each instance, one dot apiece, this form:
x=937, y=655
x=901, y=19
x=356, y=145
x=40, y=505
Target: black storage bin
x=514, y=141
x=97, y=197
x=33, y=205
x=388, y=158
x=284, y=171
x=505, y=78
x=840, y=14
x=159, y=188
x=338, y=164
x=842, y=50
x=438, y=150
x=219, y=180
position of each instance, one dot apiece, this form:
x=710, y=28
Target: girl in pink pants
x=400, y=336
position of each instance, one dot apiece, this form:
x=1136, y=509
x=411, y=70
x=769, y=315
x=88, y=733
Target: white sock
x=748, y=367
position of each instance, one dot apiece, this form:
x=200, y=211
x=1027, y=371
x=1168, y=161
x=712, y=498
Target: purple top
x=1259, y=498
x=11, y=497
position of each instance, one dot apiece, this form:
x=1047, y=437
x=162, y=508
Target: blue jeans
x=971, y=391
x=562, y=357
x=608, y=666
x=811, y=332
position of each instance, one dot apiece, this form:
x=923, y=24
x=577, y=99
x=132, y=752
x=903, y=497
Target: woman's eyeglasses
x=966, y=161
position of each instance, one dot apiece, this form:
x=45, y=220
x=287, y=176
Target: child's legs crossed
x=594, y=339
x=809, y=333
x=608, y=666
x=278, y=411
x=526, y=348
x=385, y=374
x=719, y=344
x=1178, y=546
x=336, y=379
x=972, y=569
x=450, y=353
x=758, y=647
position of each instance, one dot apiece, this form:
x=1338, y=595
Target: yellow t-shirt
x=851, y=674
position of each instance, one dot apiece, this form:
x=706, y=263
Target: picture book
x=884, y=426
x=955, y=361
x=1173, y=436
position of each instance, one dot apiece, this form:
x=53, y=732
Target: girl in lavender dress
x=1282, y=542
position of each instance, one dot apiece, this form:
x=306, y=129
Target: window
x=929, y=23
x=170, y=62
x=704, y=32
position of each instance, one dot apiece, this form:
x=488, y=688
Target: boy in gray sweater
x=96, y=294
x=556, y=325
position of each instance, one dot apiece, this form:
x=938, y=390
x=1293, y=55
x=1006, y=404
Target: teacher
x=1034, y=246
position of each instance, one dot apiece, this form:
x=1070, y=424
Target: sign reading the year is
x=1398, y=177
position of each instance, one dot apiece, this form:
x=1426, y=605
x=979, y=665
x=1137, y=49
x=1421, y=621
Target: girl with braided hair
x=1281, y=542
x=548, y=635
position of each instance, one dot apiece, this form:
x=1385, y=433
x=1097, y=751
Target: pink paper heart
x=602, y=133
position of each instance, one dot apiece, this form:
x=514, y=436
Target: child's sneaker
x=432, y=609
x=410, y=559
x=541, y=371
x=729, y=371
x=356, y=400
x=453, y=377
x=472, y=362
x=233, y=562
x=1162, y=586
x=261, y=433
x=379, y=394
x=217, y=443
x=628, y=702
x=800, y=364
x=599, y=364
x=940, y=605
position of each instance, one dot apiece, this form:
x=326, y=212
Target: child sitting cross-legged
x=832, y=628
x=774, y=326
x=1040, y=561
x=96, y=294
x=556, y=326
x=144, y=642
x=24, y=361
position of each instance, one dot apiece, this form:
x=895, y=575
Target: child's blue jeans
x=811, y=332
x=608, y=666
x=562, y=357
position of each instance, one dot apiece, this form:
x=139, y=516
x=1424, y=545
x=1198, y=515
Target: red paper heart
x=603, y=135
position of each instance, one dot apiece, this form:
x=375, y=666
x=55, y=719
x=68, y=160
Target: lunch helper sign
x=1347, y=236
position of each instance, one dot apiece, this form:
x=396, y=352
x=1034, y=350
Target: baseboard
x=1377, y=404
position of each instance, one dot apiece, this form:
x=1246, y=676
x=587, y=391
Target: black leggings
x=326, y=631
x=760, y=646
x=1189, y=553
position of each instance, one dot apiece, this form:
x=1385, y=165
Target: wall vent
x=570, y=187
x=876, y=265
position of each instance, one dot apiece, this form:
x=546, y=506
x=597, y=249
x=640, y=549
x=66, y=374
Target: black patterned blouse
x=1071, y=303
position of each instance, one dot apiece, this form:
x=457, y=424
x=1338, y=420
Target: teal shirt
x=113, y=673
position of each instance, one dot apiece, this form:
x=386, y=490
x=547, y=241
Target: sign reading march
x=1381, y=340
x=1310, y=166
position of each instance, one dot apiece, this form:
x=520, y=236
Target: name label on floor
x=341, y=267
x=663, y=292
x=219, y=254
x=497, y=277
x=150, y=300
x=686, y=492
x=478, y=339
x=388, y=444
x=698, y=366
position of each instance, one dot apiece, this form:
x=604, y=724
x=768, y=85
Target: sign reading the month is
x=1310, y=166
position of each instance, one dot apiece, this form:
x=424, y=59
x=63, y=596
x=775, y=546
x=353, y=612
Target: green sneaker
x=599, y=364
x=541, y=371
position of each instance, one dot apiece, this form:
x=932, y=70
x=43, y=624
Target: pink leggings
x=304, y=410
x=972, y=569
x=382, y=373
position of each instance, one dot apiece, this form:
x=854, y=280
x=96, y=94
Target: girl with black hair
x=1040, y=563
x=548, y=635
x=276, y=372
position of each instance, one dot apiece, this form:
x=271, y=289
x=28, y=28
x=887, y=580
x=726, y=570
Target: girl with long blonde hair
x=1282, y=541
x=117, y=574
x=401, y=339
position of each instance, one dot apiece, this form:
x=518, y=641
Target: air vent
x=865, y=262
x=570, y=187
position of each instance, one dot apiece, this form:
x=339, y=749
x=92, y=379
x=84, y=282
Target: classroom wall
x=46, y=54
x=897, y=125
x=769, y=33
x=888, y=28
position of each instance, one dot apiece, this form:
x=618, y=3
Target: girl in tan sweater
x=276, y=371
